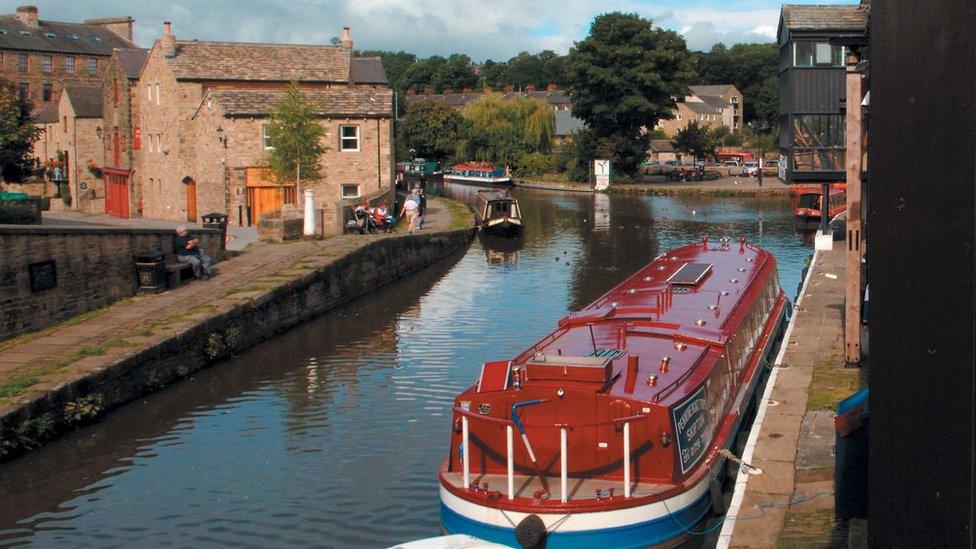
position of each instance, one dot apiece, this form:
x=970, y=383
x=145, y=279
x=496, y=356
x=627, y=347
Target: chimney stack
x=530, y=88
x=346, y=40
x=552, y=87
x=27, y=15
x=167, y=43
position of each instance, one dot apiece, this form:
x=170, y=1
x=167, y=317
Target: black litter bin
x=216, y=221
x=151, y=271
x=851, y=465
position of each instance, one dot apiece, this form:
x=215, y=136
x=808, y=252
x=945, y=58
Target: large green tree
x=622, y=79
x=752, y=68
x=17, y=134
x=504, y=130
x=697, y=140
x=296, y=137
x=431, y=129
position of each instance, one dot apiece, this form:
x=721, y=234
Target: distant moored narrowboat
x=479, y=173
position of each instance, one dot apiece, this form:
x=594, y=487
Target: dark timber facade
x=812, y=89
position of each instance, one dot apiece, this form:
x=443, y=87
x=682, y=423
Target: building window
x=350, y=191
x=678, y=117
x=22, y=62
x=734, y=100
x=149, y=91
x=92, y=66
x=818, y=142
x=69, y=65
x=64, y=124
x=23, y=91
x=46, y=92
x=349, y=138
x=47, y=65
x=157, y=93
x=817, y=54
x=266, y=137
x=115, y=92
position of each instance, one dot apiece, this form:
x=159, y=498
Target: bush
x=537, y=164
x=19, y=212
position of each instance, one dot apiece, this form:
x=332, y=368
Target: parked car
x=750, y=169
x=731, y=164
x=673, y=163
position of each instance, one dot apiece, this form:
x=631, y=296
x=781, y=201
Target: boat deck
x=578, y=488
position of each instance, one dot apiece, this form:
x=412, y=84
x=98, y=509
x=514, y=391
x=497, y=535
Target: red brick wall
x=35, y=76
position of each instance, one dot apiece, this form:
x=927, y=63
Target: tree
x=17, y=134
x=455, y=73
x=394, y=63
x=753, y=69
x=623, y=78
x=295, y=134
x=431, y=129
x=504, y=130
x=696, y=140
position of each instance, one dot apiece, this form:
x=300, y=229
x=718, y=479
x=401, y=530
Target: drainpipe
x=379, y=161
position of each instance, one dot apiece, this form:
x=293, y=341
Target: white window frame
x=342, y=190
x=266, y=138
x=92, y=66
x=157, y=93
x=149, y=91
x=342, y=138
x=69, y=65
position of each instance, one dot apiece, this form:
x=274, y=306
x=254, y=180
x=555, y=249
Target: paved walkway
x=791, y=502
x=238, y=238
x=38, y=361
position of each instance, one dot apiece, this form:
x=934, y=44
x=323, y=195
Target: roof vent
x=25, y=33
x=96, y=38
x=690, y=274
x=3, y=31
x=72, y=36
x=50, y=35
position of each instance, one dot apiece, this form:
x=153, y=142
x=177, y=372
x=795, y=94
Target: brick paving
x=62, y=352
x=791, y=502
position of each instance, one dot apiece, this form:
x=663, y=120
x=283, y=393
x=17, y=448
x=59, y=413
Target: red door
x=117, y=192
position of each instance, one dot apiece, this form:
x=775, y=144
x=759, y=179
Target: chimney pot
x=346, y=39
x=27, y=15
x=167, y=27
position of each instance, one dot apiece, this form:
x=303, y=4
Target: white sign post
x=601, y=172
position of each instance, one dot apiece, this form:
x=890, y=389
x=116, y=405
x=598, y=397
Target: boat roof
x=680, y=306
x=475, y=166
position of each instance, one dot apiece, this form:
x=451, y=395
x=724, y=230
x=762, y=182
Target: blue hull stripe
x=633, y=536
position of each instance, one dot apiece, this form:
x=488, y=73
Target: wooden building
x=812, y=89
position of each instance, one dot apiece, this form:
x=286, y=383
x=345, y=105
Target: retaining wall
x=222, y=335
x=93, y=265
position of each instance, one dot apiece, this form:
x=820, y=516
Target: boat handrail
x=504, y=422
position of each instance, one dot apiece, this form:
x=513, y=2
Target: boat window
x=809, y=200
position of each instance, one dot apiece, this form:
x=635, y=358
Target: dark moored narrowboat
x=612, y=430
x=809, y=206
x=498, y=214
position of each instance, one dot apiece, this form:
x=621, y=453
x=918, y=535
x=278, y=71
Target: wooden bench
x=175, y=271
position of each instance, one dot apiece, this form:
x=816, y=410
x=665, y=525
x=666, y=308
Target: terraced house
x=204, y=109
x=42, y=57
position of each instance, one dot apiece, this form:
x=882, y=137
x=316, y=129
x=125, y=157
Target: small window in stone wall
x=92, y=66
x=46, y=92
x=349, y=138
x=69, y=65
x=47, y=65
x=266, y=137
x=350, y=191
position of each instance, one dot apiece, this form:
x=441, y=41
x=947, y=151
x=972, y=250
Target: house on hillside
x=710, y=106
x=204, y=109
x=813, y=91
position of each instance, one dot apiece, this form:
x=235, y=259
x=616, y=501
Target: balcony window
x=821, y=160
x=817, y=54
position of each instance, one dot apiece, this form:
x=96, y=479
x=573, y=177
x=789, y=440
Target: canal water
x=331, y=434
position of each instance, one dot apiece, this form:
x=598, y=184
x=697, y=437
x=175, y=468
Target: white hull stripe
x=577, y=521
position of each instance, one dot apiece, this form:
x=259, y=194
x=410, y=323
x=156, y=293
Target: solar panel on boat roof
x=690, y=274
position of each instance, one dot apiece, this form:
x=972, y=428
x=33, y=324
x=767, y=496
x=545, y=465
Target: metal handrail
x=502, y=422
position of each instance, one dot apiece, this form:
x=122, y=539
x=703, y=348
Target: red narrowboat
x=809, y=205
x=479, y=173
x=612, y=430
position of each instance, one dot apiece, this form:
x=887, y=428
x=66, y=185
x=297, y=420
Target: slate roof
x=48, y=114
x=715, y=90
x=825, y=18
x=196, y=60
x=92, y=39
x=86, y=100
x=368, y=70
x=132, y=61
x=662, y=145
x=340, y=102
x=567, y=124
x=714, y=101
x=702, y=108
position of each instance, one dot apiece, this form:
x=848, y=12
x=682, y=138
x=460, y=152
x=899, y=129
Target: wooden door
x=191, y=199
x=263, y=200
x=117, y=194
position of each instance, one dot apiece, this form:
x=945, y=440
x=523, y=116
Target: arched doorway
x=191, y=199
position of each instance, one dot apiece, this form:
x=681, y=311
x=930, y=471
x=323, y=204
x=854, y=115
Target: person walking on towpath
x=188, y=250
x=421, y=207
x=410, y=206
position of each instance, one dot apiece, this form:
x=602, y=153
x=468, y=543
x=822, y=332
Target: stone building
x=725, y=97
x=203, y=115
x=42, y=57
x=121, y=139
x=711, y=106
x=72, y=132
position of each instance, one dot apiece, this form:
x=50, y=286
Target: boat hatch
x=591, y=369
x=690, y=274
x=494, y=376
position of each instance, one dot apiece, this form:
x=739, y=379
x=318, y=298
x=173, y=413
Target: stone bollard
x=309, y=228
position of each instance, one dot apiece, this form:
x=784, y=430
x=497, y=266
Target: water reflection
x=331, y=434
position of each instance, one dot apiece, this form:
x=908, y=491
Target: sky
x=483, y=29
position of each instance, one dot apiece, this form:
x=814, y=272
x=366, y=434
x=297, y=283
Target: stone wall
x=222, y=335
x=94, y=267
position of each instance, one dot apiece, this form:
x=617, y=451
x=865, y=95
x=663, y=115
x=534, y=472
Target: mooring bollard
x=309, y=228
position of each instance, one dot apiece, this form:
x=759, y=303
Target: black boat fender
x=531, y=532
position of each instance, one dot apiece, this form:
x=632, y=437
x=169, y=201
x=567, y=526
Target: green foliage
x=18, y=212
x=17, y=134
x=296, y=135
x=696, y=140
x=752, y=68
x=623, y=77
x=453, y=72
x=764, y=140
x=537, y=164
x=431, y=129
x=500, y=130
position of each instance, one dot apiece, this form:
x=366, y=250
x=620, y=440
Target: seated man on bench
x=187, y=250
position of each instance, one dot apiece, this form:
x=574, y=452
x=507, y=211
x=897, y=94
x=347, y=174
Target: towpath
x=35, y=365
x=791, y=503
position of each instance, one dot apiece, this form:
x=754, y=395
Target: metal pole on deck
x=627, y=459
x=563, y=473
x=509, y=438
x=464, y=450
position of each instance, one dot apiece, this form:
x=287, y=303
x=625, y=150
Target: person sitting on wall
x=188, y=250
